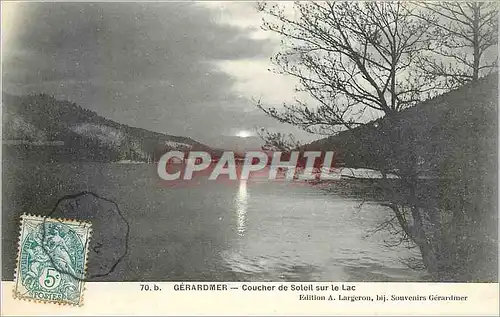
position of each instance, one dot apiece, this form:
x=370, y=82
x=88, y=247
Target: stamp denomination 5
x=52, y=260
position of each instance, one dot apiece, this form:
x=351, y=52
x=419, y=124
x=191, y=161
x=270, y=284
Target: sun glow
x=244, y=134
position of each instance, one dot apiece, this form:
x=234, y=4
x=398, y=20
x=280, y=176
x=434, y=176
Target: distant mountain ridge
x=238, y=144
x=41, y=118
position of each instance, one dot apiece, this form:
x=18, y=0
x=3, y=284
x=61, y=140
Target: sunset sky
x=188, y=69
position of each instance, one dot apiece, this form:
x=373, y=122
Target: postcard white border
x=127, y=298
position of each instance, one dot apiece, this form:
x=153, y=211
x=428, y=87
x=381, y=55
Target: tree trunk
x=429, y=256
x=475, y=42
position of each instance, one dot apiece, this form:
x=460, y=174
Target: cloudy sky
x=187, y=69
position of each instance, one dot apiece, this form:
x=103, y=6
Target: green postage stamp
x=52, y=260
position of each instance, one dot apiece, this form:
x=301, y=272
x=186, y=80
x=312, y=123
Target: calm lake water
x=236, y=231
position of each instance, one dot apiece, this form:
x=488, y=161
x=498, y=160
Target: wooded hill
x=40, y=119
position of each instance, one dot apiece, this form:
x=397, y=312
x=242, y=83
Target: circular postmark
x=108, y=243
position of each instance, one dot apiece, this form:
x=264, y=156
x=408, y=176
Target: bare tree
x=464, y=41
x=277, y=141
x=350, y=57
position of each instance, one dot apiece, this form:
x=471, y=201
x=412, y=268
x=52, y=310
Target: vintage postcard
x=253, y=158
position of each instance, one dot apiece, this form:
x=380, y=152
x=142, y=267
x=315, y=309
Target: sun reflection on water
x=241, y=203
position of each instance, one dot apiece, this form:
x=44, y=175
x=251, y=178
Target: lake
x=215, y=231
